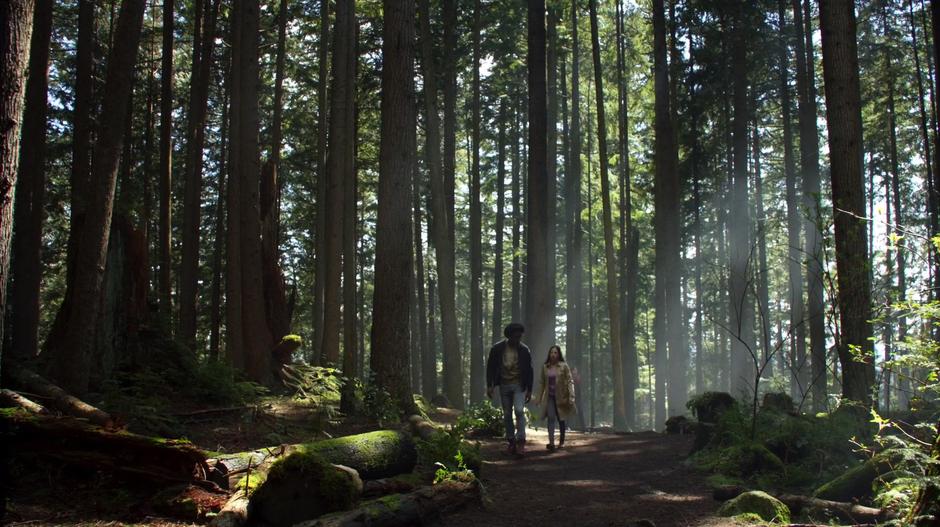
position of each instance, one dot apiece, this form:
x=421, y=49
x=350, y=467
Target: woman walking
x=556, y=396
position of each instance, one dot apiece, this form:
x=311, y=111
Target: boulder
x=759, y=503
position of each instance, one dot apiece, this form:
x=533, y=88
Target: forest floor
x=597, y=479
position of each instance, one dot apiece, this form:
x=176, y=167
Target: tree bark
x=350, y=236
x=797, y=329
x=666, y=199
x=613, y=298
x=843, y=113
x=391, y=339
x=342, y=111
x=573, y=206
x=166, y=161
x=453, y=369
x=437, y=221
x=74, y=350
x=321, y=181
x=256, y=340
x=26, y=266
x=500, y=223
x=203, y=46
x=277, y=307
x=741, y=301
x=816, y=379
x=475, y=346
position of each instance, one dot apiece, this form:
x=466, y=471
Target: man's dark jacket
x=494, y=365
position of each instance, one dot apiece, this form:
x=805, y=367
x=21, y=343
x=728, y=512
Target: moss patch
x=299, y=487
x=759, y=503
x=374, y=455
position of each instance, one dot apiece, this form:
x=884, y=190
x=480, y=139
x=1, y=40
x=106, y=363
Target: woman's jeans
x=552, y=419
x=512, y=397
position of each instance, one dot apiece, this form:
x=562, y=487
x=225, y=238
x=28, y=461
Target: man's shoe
x=520, y=447
x=550, y=447
x=511, y=450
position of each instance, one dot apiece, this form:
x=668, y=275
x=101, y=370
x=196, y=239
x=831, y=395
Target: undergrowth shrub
x=444, y=446
x=482, y=419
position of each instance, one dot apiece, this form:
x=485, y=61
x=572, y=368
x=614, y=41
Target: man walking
x=510, y=368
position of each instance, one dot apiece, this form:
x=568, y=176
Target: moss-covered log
x=77, y=443
x=855, y=483
x=851, y=512
x=22, y=379
x=420, y=507
x=11, y=399
x=374, y=455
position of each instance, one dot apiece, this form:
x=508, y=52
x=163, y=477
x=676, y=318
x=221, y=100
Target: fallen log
x=421, y=507
x=421, y=427
x=11, y=399
x=852, y=512
x=28, y=381
x=234, y=513
x=78, y=443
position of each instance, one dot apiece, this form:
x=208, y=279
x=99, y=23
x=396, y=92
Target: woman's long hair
x=561, y=358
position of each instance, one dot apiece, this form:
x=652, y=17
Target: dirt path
x=596, y=480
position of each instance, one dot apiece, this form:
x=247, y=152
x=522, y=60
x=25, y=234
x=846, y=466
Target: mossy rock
x=855, y=483
x=302, y=486
x=767, y=507
x=375, y=455
x=779, y=401
x=709, y=406
x=745, y=460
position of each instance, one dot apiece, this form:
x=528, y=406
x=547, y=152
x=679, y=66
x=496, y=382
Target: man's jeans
x=513, y=399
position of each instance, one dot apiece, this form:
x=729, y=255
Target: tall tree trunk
x=80, y=175
x=275, y=292
x=166, y=161
x=475, y=346
x=341, y=131
x=933, y=199
x=843, y=113
x=453, y=367
x=234, y=345
x=552, y=154
x=321, y=181
x=741, y=303
x=515, y=293
x=816, y=379
x=350, y=216
x=16, y=19
x=215, y=294
x=192, y=193
x=538, y=308
x=439, y=222
x=763, y=288
x=26, y=266
x=574, y=234
x=73, y=352
x=797, y=330
x=256, y=339
x=895, y=252
x=429, y=381
x=627, y=250
x=500, y=223
x=391, y=340
x=666, y=198
x=421, y=348
x=613, y=298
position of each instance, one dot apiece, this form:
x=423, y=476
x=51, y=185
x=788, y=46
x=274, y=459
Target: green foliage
x=907, y=450
x=425, y=408
x=461, y=473
x=377, y=403
x=482, y=419
x=444, y=447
